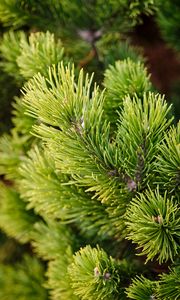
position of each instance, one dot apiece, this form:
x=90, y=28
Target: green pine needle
x=125, y=78
x=153, y=222
x=168, y=162
x=23, y=280
x=169, y=285
x=15, y=220
x=142, y=289
x=23, y=56
x=94, y=275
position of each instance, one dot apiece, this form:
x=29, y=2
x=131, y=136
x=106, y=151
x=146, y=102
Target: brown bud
x=157, y=219
x=96, y=272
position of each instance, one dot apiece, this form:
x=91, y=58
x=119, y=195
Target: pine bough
x=94, y=178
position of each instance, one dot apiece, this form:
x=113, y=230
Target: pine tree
x=91, y=171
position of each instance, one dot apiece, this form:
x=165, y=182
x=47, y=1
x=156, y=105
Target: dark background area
x=163, y=62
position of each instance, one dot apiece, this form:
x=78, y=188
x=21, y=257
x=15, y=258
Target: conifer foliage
x=91, y=172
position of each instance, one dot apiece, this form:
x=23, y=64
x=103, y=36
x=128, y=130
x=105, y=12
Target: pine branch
x=169, y=285
x=51, y=197
x=58, y=283
x=8, y=162
x=153, y=222
x=12, y=151
x=22, y=122
x=41, y=52
x=24, y=280
x=83, y=137
x=23, y=56
x=10, y=50
x=142, y=288
x=168, y=162
x=94, y=161
x=140, y=131
x=95, y=275
x=14, y=219
x=55, y=242
x=51, y=239
x=87, y=166
x=125, y=78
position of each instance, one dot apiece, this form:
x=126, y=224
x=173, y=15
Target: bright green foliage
x=168, y=162
x=80, y=173
x=21, y=121
x=169, y=287
x=94, y=275
x=54, y=200
x=99, y=167
x=77, y=116
x=59, y=200
x=81, y=127
x=30, y=55
x=94, y=181
x=24, y=280
x=41, y=51
x=71, y=107
x=79, y=23
x=12, y=152
x=141, y=128
x=57, y=99
x=59, y=282
x=154, y=224
x=11, y=40
x=52, y=239
x=125, y=78
x=141, y=288
x=14, y=219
